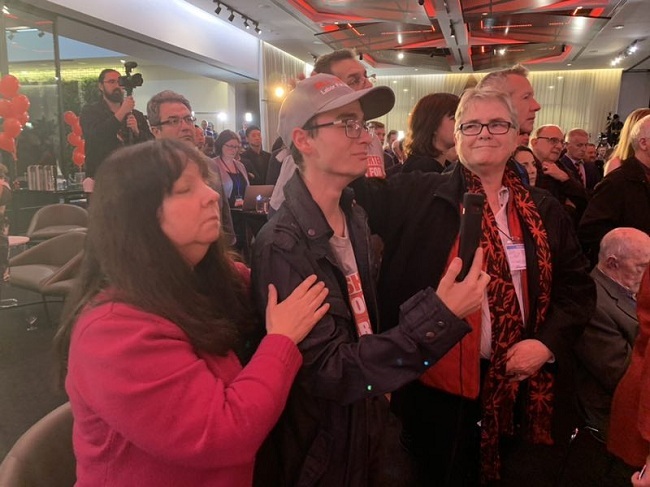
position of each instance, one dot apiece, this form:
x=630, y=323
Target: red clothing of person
x=629, y=431
x=149, y=410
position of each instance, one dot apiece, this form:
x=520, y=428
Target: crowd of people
x=353, y=351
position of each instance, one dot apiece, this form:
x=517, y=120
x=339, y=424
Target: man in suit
x=605, y=348
x=622, y=199
x=546, y=143
x=574, y=159
x=592, y=157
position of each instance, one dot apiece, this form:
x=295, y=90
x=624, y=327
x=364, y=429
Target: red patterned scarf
x=498, y=393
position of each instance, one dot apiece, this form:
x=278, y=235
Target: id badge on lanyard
x=516, y=254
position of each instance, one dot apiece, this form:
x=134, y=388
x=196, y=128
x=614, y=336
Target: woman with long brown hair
x=149, y=335
x=430, y=133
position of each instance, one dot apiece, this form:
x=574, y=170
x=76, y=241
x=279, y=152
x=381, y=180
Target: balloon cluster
x=75, y=139
x=13, y=110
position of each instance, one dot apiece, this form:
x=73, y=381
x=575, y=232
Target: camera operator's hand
x=132, y=123
x=126, y=108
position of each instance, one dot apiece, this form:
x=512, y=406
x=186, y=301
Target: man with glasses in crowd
x=344, y=65
x=110, y=123
x=170, y=117
x=478, y=414
x=336, y=429
x=547, y=143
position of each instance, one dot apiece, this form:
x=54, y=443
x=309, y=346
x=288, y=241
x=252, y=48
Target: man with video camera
x=113, y=121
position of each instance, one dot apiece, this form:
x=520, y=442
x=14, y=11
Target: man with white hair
x=605, y=348
x=514, y=81
x=622, y=199
x=574, y=161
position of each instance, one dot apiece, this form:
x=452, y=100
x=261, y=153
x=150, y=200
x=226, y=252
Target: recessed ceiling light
x=569, y=64
x=394, y=81
x=618, y=27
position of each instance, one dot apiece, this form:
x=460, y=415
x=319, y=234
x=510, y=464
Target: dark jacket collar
x=308, y=215
x=618, y=293
x=633, y=170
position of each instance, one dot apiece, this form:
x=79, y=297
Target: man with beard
x=110, y=123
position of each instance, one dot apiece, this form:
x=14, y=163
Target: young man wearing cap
x=337, y=429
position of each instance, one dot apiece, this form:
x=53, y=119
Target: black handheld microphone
x=470, y=230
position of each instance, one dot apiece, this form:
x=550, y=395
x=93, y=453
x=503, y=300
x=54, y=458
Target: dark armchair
x=53, y=220
x=43, y=455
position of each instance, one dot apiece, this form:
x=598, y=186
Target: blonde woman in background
x=624, y=148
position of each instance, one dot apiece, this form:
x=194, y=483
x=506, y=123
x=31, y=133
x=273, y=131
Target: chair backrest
x=43, y=455
x=58, y=214
x=63, y=280
x=56, y=251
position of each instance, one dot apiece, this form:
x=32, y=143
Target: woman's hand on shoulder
x=298, y=314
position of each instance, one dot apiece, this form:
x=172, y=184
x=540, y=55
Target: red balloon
x=12, y=127
x=74, y=139
x=76, y=129
x=23, y=118
x=7, y=143
x=9, y=86
x=6, y=108
x=70, y=117
x=20, y=103
x=78, y=157
x=82, y=146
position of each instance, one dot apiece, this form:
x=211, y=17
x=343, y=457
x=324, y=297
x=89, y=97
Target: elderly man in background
x=622, y=199
x=574, y=161
x=605, y=348
x=170, y=117
x=546, y=143
x=498, y=382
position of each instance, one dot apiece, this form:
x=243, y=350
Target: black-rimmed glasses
x=176, y=121
x=353, y=128
x=496, y=127
x=552, y=140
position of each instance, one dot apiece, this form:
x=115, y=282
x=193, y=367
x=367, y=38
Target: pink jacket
x=151, y=411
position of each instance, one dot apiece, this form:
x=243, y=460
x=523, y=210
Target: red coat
x=629, y=436
x=149, y=410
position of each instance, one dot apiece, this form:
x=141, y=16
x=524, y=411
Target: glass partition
x=31, y=60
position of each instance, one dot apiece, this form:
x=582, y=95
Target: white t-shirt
x=342, y=248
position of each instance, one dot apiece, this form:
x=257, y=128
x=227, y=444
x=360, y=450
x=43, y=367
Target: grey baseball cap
x=324, y=92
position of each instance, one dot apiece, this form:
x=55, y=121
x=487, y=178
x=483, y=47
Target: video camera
x=129, y=82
